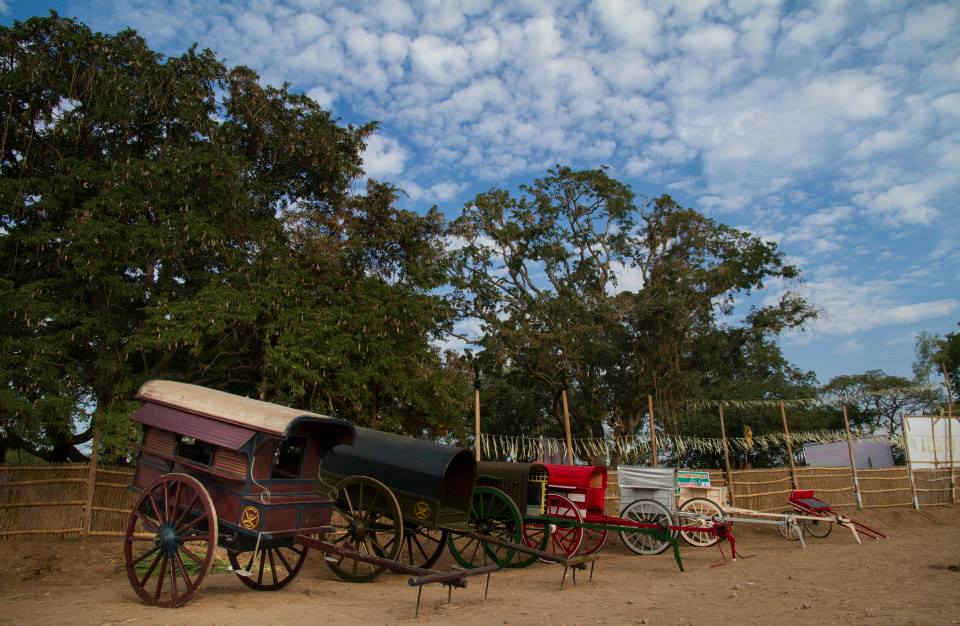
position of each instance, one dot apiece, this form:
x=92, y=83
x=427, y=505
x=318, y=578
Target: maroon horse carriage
x=216, y=469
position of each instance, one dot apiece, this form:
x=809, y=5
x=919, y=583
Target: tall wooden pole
x=476, y=421
x=91, y=483
x=946, y=381
x=906, y=450
x=853, y=460
x=653, y=433
x=786, y=431
x=933, y=435
x=726, y=456
x=566, y=426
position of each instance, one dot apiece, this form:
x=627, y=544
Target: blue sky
x=831, y=128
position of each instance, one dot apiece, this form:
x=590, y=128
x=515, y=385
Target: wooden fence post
x=726, y=456
x=906, y=451
x=566, y=425
x=476, y=421
x=91, y=484
x=853, y=460
x=946, y=382
x=653, y=433
x=786, y=431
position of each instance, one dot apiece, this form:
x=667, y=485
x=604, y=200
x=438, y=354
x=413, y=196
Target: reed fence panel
x=762, y=489
x=51, y=500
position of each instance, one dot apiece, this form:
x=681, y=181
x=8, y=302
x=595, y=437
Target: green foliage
x=540, y=271
x=938, y=356
x=172, y=217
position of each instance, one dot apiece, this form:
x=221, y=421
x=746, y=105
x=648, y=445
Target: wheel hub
x=166, y=539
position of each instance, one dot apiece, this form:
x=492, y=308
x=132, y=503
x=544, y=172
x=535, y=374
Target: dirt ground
x=912, y=578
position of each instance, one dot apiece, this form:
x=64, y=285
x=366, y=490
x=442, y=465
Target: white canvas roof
x=223, y=406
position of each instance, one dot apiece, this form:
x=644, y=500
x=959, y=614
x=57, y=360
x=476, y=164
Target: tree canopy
x=172, y=217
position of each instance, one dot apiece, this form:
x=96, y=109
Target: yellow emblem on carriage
x=250, y=517
x=421, y=510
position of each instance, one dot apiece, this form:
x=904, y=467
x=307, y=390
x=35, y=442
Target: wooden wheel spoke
x=273, y=566
x=183, y=570
x=283, y=559
x=174, y=591
x=143, y=556
x=163, y=572
x=263, y=563
x=186, y=510
x=149, y=573
x=156, y=508
x=148, y=524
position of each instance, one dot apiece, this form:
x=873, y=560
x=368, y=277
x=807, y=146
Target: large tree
x=542, y=270
x=153, y=222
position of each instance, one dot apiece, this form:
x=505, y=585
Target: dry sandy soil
x=911, y=578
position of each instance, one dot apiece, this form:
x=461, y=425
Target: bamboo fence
x=51, y=500
x=62, y=500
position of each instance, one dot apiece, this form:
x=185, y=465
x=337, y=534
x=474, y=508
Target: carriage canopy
x=419, y=472
x=228, y=420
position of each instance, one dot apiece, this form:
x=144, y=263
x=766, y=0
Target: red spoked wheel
x=565, y=539
x=170, y=539
x=593, y=541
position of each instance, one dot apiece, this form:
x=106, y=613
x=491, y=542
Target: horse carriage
x=215, y=469
x=480, y=525
x=563, y=511
x=666, y=495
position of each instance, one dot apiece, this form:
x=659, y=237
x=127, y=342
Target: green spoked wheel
x=492, y=513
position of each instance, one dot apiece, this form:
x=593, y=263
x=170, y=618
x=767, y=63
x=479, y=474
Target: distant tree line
x=172, y=217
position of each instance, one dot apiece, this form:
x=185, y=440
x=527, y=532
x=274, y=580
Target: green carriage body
x=433, y=482
x=525, y=483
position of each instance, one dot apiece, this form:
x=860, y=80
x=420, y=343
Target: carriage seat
x=806, y=498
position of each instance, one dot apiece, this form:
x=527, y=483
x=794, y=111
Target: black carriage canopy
x=409, y=466
x=229, y=420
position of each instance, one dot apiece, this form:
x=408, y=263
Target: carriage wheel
x=706, y=510
x=492, y=513
x=816, y=528
x=786, y=532
x=534, y=536
x=565, y=539
x=593, y=541
x=281, y=564
x=423, y=546
x=645, y=512
x=168, y=559
x=366, y=515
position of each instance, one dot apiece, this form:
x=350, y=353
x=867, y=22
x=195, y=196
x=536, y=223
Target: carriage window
x=196, y=451
x=287, y=458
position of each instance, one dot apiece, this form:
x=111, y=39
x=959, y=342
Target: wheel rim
x=270, y=568
x=817, y=529
x=169, y=540
x=366, y=515
x=645, y=512
x=492, y=513
x=423, y=546
x=707, y=511
x=565, y=540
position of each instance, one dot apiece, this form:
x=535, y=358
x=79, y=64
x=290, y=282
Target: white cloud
x=383, y=157
x=849, y=306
